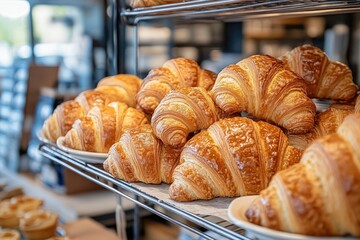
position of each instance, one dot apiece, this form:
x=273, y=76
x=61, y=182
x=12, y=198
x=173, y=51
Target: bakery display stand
x=206, y=226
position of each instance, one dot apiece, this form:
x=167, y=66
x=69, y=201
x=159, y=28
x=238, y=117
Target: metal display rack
x=235, y=10
x=98, y=175
x=218, y=10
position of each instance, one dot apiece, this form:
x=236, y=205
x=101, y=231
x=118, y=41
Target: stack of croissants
x=251, y=129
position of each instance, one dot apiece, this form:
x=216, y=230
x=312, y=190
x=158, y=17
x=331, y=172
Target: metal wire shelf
x=96, y=174
x=235, y=10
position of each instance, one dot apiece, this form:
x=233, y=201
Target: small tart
x=14, y=208
x=39, y=224
x=9, y=234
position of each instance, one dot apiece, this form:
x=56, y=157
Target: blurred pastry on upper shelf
x=125, y=86
x=102, y=127
x=324, y=78
x=262, y=86
x=326, y=122
x=65, y=114
x=9, y=234
x=233, y=157
x=39, y=224
x=141, y=157
x=150, y=3
x=320, y=196
x=11, y=210
x=174, y=74
x=182, y=112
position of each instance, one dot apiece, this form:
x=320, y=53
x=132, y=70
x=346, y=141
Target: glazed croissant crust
x=140, y=157
x=326, y=123
x=321, y=194
x=65, y=114
x=233, y=157
x=324, y=78
x=182, y=112
x=102, y=127
x=175, y=74
x=261, y=86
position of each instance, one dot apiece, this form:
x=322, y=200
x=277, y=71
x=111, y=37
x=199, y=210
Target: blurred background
x=52, y=50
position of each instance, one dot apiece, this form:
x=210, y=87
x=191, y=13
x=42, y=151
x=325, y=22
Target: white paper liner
x=215, y=207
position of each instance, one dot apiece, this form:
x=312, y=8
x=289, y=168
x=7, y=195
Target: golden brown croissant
x=357, y=105
x=65, y=114
x=321, y=194
x=150, y=3
x=140, y=157
x=261, y=86
x=233, y=157
x=182, y=112
x=102, y=127
x=174, y=74
x=324, y=78
x=124, y=85
x=326, y=123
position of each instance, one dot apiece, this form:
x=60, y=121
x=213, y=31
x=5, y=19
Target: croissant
x=174, y=74
x=102, y=127
x=150, y=3
x=233, y=157
x=140, y=157
x=124, y=85
x=65, y=114
x=357, y=105
x=182, y=112
x=261, y=86
x=326, y=122
x=320, y=196
x=324, y=78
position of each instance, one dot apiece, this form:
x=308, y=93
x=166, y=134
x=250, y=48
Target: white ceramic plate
x=41, y=137
x=236, y=213
x=88, y=157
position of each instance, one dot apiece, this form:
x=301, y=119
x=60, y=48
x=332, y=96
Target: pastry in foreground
x=140, y=157
x=357, y=105
x=102, y=127
x=320, y=196
x=9, y=234
x=324, y=78
x=233, y=157
x=39, y=224
x=11, y=210
x=261, y=86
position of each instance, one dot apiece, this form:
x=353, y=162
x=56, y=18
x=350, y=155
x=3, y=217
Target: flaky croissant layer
x=261, y=86
x=140, y=157
x=233, y=157
x=102, y=127
x=324, y=78
x=320, y=195
x=175, y=74
x=182, y=112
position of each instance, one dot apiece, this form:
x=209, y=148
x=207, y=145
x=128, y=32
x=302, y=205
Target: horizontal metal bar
x=143, y=205
x=231, y=9
x=57, y=155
